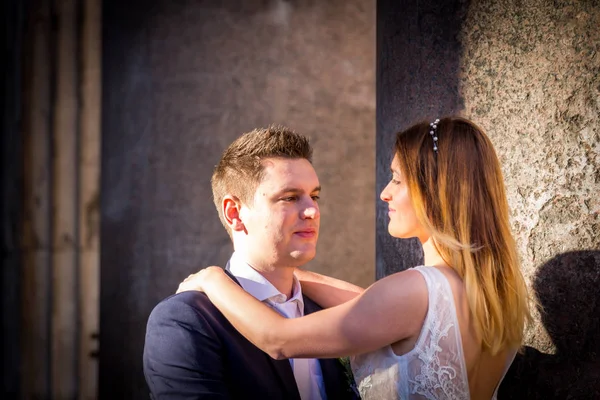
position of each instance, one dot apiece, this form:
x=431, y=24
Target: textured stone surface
x=530, y=76
x=181, y=81
x=529, y=73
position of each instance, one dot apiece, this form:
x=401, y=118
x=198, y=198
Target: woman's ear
x=231, y=211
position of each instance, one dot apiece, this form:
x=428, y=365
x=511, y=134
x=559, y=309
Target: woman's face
x=403, y=220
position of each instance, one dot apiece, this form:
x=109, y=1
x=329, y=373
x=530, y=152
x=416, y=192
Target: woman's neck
x=431, y=254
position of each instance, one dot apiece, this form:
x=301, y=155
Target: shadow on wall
x=568, y=289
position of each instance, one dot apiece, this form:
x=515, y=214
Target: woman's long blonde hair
x=458, y=195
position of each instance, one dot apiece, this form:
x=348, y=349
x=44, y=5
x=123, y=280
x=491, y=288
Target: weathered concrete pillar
x=37, y=238
x=60, y=244
x=64, y=204
x=89, y=198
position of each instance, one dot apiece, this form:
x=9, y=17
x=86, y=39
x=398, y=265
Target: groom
x=266, y=191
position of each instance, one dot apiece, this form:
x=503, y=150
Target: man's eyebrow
x=297, y=190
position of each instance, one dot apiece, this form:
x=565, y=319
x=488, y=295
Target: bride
x=448, y=329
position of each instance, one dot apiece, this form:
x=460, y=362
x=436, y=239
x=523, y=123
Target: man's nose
x=311, y=212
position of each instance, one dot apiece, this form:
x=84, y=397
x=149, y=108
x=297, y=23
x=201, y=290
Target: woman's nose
x=385, y=196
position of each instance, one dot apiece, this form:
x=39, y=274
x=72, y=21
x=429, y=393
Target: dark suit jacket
x=193, y=352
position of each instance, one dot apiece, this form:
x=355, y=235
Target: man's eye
x=291, y=198
x=315, y=198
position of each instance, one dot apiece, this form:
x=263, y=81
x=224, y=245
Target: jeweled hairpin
x=433, y=127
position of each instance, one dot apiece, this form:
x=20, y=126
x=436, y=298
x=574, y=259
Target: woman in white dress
x=446, y=330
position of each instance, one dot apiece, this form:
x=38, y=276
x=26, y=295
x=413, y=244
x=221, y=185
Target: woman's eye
x=395, y=182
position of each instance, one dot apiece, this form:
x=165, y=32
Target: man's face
x=282, y=222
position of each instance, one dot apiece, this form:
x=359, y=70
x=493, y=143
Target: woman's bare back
x=484, y=370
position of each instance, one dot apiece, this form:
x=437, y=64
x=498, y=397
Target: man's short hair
x=241, y=168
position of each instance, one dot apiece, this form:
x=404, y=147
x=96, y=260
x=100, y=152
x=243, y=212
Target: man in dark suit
x=266, y=191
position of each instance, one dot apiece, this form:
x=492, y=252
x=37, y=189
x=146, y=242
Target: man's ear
x=231, y=211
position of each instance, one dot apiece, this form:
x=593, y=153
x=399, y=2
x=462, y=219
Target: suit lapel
x=281, y=368
x=333, y=378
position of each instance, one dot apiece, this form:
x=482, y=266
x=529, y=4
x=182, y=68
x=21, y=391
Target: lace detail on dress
x=366, y=383
x=442, y=373
x=434, y=369
x=375, y=376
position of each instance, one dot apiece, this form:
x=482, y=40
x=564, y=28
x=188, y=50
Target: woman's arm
x=325, y=290
x=390, y=310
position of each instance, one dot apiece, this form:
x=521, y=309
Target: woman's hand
x=201, y=279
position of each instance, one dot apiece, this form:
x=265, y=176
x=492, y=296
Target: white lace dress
x=434, y=369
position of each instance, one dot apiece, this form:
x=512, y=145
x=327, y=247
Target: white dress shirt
x=307, y=372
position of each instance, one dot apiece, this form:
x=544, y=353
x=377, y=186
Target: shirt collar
x=258, y=286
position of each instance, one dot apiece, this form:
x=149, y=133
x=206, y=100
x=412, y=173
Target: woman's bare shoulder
x=408, y=286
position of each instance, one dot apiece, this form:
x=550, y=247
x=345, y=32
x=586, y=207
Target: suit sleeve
x=182, y=352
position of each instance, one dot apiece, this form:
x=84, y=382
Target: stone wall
x=181, y=81
x=530, y=76
x=528, y=72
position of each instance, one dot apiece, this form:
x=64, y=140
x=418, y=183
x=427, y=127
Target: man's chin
x=304, y=255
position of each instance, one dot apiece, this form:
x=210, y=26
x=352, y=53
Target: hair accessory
x=433, y=134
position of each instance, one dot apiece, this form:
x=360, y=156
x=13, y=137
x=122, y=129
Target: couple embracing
x=263, y=328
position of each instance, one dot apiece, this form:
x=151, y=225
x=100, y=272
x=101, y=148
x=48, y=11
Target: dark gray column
x=418, y=55
x=11, y=161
